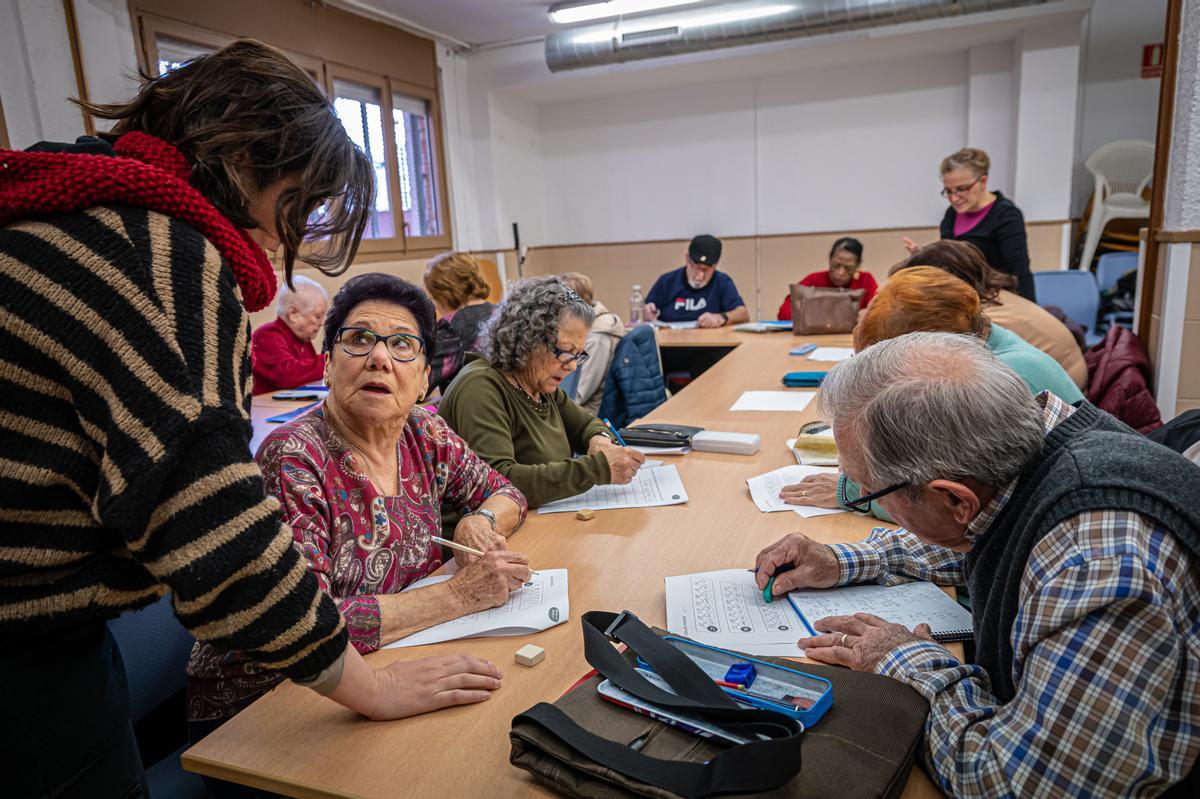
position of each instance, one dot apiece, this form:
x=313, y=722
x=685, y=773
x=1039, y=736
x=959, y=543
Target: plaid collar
x=1054, y=413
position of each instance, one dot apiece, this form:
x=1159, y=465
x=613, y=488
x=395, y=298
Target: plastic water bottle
x=636, y=303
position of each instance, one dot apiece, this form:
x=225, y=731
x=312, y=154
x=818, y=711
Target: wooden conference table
x=297, y=743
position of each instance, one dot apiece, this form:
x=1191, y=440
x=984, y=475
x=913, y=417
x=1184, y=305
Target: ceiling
x=474, y=22
x=470, y=22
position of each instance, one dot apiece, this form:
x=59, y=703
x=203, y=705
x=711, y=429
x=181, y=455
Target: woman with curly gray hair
x=508, y=407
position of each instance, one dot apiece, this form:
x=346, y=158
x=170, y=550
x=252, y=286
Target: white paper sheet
x=538, y=605
x=764, y=490
x=773, y=401
x=650, y=488
x=831, y=354
x=726, y=609
x=678, y=325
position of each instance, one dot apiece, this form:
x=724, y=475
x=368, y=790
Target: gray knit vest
x=1089, y=462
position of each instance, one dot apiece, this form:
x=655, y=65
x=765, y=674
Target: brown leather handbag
x=820, y=310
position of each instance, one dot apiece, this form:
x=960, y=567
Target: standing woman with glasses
x=129, y=265
x=508, y=406
x=361, y=479
x=983, y=217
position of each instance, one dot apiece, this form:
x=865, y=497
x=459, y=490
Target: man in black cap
x=696, y=291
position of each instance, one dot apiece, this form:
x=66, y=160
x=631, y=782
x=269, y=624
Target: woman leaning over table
x=129, y=264
x=509, y=408
x=1011, y=311
x=361, y=480
x=928, y=299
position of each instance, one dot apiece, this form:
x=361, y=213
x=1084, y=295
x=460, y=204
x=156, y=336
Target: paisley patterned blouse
x=358, y=543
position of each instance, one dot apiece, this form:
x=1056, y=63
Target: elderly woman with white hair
x=509, y=408
x=282, y=350
x=1080, y=543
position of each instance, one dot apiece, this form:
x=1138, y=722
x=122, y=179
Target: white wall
x=858, y=146
x=1117, y=102
x=36, y=73
x=849, y=137
x=1181, y=208
x=652, y=165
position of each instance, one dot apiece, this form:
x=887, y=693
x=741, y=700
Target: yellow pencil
x=446, y=542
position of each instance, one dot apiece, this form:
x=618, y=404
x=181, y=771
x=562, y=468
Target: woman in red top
x=844, y=261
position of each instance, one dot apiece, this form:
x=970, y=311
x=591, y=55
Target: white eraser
x=530, y=655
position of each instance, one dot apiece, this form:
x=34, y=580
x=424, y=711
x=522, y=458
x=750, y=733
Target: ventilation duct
x=749, y=22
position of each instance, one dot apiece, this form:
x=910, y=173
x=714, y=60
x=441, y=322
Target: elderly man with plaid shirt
x=1079, y=541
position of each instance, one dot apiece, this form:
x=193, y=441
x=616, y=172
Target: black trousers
x=66, y=731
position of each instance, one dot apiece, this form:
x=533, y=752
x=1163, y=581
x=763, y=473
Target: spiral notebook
x=909, y=604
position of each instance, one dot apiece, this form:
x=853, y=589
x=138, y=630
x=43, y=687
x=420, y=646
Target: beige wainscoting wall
x=762, y=266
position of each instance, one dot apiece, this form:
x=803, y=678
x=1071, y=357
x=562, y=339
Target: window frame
x=440, y=242
x=325, y=72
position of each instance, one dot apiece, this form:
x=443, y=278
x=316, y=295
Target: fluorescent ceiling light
x=595, y=37
x=569, y=13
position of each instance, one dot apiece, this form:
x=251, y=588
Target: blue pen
x=803, y=349
x=620, y=440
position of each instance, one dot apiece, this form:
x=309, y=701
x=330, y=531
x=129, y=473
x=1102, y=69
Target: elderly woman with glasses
x=361, y=480
x=508, y=406
x=983, y=217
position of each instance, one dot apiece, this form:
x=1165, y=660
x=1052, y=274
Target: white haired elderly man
x=1079, y=541
x=282, y=350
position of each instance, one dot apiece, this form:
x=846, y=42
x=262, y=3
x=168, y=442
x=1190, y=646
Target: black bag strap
x=762, y=765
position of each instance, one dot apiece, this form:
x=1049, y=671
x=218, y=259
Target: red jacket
x=861, y=280
x=282, y=359
x=1119, y=372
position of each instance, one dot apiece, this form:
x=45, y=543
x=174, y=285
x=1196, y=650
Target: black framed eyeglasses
x=948, y=193
x=565, y=357
x=863, y=504
x=359, y=341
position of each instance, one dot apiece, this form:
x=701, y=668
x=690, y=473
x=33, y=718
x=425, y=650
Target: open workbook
x=726, y=609
x=909, y=604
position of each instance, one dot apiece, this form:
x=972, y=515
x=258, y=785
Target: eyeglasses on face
x=863, y=504
x=961, y=190
x=359, y=341
x=566, y=357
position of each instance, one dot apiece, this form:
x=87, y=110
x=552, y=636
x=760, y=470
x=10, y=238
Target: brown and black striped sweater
x=125, y=468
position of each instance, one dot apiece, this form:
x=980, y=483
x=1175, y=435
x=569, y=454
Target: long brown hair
x=246, y=117
x=966, y=262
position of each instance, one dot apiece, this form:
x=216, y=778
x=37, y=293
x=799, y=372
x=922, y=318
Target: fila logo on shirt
x=690, y=303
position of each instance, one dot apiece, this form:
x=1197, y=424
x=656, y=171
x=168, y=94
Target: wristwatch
x=485, y=513
x=724, y=318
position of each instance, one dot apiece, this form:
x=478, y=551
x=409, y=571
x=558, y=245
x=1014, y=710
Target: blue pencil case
x=802, y=696
x=803, y=379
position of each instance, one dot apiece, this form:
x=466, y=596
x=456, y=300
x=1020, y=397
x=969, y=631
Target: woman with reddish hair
x=926, y=299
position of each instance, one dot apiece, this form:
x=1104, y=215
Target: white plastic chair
x=1122, y=170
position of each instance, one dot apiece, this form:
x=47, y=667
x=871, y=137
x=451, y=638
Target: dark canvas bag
x=820, y=310
x=583, y=746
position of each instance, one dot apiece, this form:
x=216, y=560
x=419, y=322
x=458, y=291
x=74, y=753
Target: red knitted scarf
x=147, y=172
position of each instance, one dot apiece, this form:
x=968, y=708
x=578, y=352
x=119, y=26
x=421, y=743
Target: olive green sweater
x=532, y=445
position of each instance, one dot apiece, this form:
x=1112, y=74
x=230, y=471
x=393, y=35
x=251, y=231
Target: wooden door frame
x=1162, y=156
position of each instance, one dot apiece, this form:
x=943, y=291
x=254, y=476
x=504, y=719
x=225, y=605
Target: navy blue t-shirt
x=676, y=301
